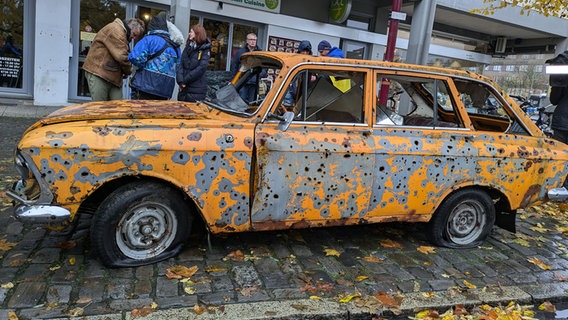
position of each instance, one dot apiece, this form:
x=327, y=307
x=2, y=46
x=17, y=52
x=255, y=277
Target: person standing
x=248, y=90
x=194, y=61
x=106, y=64
x=325, y=49
x=156, y=56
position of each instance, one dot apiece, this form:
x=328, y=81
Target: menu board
x=282, y=44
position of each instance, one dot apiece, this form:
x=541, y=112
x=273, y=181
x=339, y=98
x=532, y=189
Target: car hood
x=129, y=109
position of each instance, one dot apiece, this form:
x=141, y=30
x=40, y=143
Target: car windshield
x=256, y=74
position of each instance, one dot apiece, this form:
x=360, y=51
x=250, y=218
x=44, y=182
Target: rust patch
x=531, y=191
x=522, y=152
x=248, y=142
x=528, y=165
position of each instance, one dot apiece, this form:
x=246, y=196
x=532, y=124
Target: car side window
x=409, y=101
x=326, y=96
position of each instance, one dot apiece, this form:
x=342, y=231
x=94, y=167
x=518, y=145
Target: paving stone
x=27, y=294
x=288, y=293
x=520, y=278
x=59, y=294
x=301, y=251
x=276, y=280
x=35, y=272
x=42, y=313
x=95, y=269
x=166, y=287
x=333, y=267
x=254, y=295
x=118, y=289
x=121, y=273
x=92, y=288
x=15, y=258
x=177, y=301
x=142, y=288
x=420, y=273
x=65, y=274
x=246, y=276
x=217, y=298
x=414, y=286
x=8, y=274
x=222, y=283
x=144, y=272
x=441, y=284
x=281, y=251
x=15, y=228
x=130, y=304
x=3, y=295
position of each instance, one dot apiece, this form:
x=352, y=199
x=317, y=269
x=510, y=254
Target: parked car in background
x=361, y=142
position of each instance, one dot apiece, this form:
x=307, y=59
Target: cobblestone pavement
x=49, y=274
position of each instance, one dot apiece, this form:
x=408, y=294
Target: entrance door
x=88, y=17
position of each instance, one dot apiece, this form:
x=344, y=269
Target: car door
x=319, y=170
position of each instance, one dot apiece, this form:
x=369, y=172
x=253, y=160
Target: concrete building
x=51, y=37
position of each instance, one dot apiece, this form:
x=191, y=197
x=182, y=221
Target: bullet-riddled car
x=328, y=142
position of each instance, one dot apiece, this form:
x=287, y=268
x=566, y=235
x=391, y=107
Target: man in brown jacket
x=106, y=64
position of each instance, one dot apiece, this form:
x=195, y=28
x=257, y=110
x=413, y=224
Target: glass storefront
x=11, y=44
x=95, y=14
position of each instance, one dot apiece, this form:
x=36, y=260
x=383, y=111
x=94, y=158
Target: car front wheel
x=464, y=220
x=140, y=223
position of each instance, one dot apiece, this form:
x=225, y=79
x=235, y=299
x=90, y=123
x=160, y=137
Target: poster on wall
x=282, y=44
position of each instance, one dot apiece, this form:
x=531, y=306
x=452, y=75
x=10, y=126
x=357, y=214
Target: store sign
x=339, y=10
x=266, y=5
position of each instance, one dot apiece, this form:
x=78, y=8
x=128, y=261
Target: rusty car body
x=331, y=142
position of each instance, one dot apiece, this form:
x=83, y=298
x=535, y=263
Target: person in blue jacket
x=325, y=49
x=156, y=56
x=194, y=61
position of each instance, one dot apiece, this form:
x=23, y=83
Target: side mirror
x=285, y=119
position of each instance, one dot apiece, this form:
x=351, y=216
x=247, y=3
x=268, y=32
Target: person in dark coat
x=156, y=56
x=194, y=60
x=559, y=97
x=248, y=90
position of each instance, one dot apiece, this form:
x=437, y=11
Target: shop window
x=240, y=37
x=11, y=48
x=218, y=33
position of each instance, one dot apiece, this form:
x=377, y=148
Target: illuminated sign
x=266, y=5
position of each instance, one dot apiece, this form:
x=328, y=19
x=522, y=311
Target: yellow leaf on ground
x=562, y=229
x=426, y=249
x=5, y=245
x=76, y=312
x=538, y=263
x=12, y=315
x=178, y=272
x=391, y=244
x=72, y=261
x=371, y=258
x=539, y=228
x=215, y=268
x=84, y=300
x=236, y=255
x=332, y=252
x=547, y=306
x=54, y=268
x=361, y=278
x=522, y=242
x=349, y=297
x=469, y=285
x=428, y=294
x=198, y=309
x=7, y=285
x=315, y=298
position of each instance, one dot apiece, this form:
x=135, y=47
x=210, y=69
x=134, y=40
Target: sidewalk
x=24, y=109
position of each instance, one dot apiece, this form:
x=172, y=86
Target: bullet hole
x=276, y=196
x=347, y=156
x=381, y=169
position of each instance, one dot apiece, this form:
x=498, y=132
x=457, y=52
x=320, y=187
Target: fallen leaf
x=547, y=306
x=248, y=291
x=388, y=300
x=539, y=228
x=469, y=285
x=349, y=297
x=67, y=245
x=538, y=263
x=5, y=245
x=76, y=312
x=361, y=278
x=562, y=229
x=178, y=272
x=371, y=258
x=72, y=261
x=301, y=307
x=426, y=249
x=390, y=244
x=55, y=267
x=522, y=242
x=189, y=290
x=214, y=268
x=199, y=309
x=236, y=255
x=12, y=315
x=315, y=298
x=559, y=277
x=460, y=310
x=428, y=294
x=332, y=252
x=84, y=300
x=7, y=285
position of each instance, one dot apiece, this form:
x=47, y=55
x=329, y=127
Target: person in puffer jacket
x=194, y=61
x=156, y=57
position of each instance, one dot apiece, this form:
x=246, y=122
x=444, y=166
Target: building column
x=421, y=32
x=181, y=10
x=52, y=51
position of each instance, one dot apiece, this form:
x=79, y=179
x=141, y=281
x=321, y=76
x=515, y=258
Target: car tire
x=463, y=220
x=140, y=223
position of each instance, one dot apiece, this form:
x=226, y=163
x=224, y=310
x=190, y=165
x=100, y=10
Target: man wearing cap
x=325, y=49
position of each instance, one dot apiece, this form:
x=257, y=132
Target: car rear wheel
x=464, y=220
x=140, y=223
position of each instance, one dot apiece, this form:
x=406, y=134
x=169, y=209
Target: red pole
x=389, y=52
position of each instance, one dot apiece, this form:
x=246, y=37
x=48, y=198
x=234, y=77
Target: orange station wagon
x=328, y=142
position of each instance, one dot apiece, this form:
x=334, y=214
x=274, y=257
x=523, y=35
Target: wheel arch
x=92, y=202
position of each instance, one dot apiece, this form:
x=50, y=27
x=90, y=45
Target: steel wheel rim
x=466, y=222
x=146, y=230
